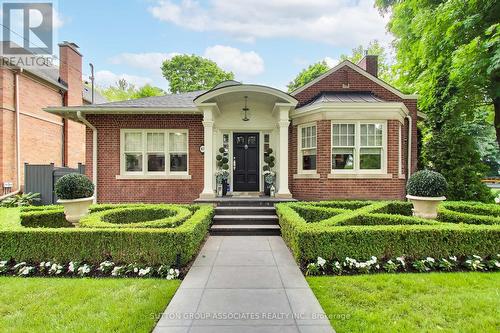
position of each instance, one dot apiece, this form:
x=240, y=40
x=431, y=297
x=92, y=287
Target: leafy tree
x=124, y=91
x=307, y=75
x=448, y=52
x=315, y=70
x=191, y=72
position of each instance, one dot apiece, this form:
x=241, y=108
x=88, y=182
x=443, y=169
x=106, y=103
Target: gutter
x=18, y=135
x=81, y=117
x=410, y=132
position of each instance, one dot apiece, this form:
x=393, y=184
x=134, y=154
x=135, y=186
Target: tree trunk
x=496, y=105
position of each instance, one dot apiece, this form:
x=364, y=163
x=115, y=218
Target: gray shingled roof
x=98, y=98
x=176, y=101
x=346, y=97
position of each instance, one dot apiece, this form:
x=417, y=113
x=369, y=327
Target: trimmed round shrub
x=427, y=183
x=269, y=151
x=74, y=186
x=218, y=157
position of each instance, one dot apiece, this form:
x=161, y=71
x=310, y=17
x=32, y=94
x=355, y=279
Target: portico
x=266, y=127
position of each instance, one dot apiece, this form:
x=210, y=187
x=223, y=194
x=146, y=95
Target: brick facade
x=345, y=80
x=110, y=189
x=41, y=132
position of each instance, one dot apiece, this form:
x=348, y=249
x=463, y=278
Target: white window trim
x=299, y=149
x=357, y=147
x=144, y=174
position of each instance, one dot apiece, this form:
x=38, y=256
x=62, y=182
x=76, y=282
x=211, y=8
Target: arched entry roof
x=228, y=87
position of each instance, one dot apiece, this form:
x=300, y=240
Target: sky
x=261, y=41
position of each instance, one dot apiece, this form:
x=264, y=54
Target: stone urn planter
x=425, y=207
x=75, y=193
x=426, y=191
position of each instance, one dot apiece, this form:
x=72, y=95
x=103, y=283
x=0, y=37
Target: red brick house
x=347, y=134
x=41, y=137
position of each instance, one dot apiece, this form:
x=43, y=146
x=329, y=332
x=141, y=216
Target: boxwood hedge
x=384, y=230
x=172, y=245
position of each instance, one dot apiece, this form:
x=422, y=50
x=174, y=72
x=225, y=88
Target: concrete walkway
x=244, y=284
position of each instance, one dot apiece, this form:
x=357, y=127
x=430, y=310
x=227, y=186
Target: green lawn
x=82, y=305
x=435, y=302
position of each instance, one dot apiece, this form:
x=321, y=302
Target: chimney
x=70, y=71
x=369, y=63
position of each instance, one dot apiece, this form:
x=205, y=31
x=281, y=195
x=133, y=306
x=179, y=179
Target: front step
x=244, y=210
x=245, y=219
x=245, y=230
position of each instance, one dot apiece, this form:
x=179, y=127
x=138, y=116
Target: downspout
x=18, y=135
x=81, y=117
x=410, y=134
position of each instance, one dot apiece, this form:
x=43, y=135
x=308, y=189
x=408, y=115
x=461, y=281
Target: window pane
x=156, y=162
x=343, y=158
x=133, y=162
x=133, y=141
x=309, y=160
x=156, y=142
x=335, y=129
x=178, y=142
x=370, y=158
x=178, y=162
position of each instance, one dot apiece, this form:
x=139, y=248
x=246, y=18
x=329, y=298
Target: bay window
x=358, y=147
x=307, y=148
x=144, y=152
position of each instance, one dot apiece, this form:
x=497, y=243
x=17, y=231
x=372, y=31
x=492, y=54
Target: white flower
x=21, y=264
x=84, y=270
x=321, y=262
x=55, y=269
x=116, y=271
x=497, y=264
x=337, y=265
x=26, y=270
x=136, y=269
x=429, y=259
x=377, y=266
x=144, y=271
x=3, y=263
x=171, y=271
x=401, y=260
x=176, y=272
x=477, y=257
x=71, y=267
x=453, y=258
x=170, y=277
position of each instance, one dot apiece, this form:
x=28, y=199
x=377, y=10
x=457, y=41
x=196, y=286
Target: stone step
x=245, y=230
x=245, y=219
x=245, y=210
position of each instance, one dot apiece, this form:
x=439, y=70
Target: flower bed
x=401, y=264
x=80, y=269
x=172, y=242
x=361, y=229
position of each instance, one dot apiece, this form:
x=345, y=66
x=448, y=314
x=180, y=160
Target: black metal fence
x=40, y=178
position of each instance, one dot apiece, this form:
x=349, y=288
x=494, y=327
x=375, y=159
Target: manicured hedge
x=378, y=230
x=152, y=246
x=145, y=216
x=470, y=212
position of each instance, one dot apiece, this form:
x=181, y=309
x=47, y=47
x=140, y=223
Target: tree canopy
x=448, y=51
x=191, y=72
x=317, y=69
x=124, y=90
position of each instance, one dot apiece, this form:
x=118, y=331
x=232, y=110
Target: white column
x=283, y=191
x=208, y=138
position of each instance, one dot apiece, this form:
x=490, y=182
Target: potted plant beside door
x=75, y=193
x=269, y=174
x=222, y=174
x=426, y=190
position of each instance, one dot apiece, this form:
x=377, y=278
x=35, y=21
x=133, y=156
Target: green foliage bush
x=151, y=246
x=427, y=183
x=381, y=229
x=74, y=186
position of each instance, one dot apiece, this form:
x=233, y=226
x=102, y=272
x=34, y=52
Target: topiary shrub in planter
x=75, y=193
x=426, y=189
